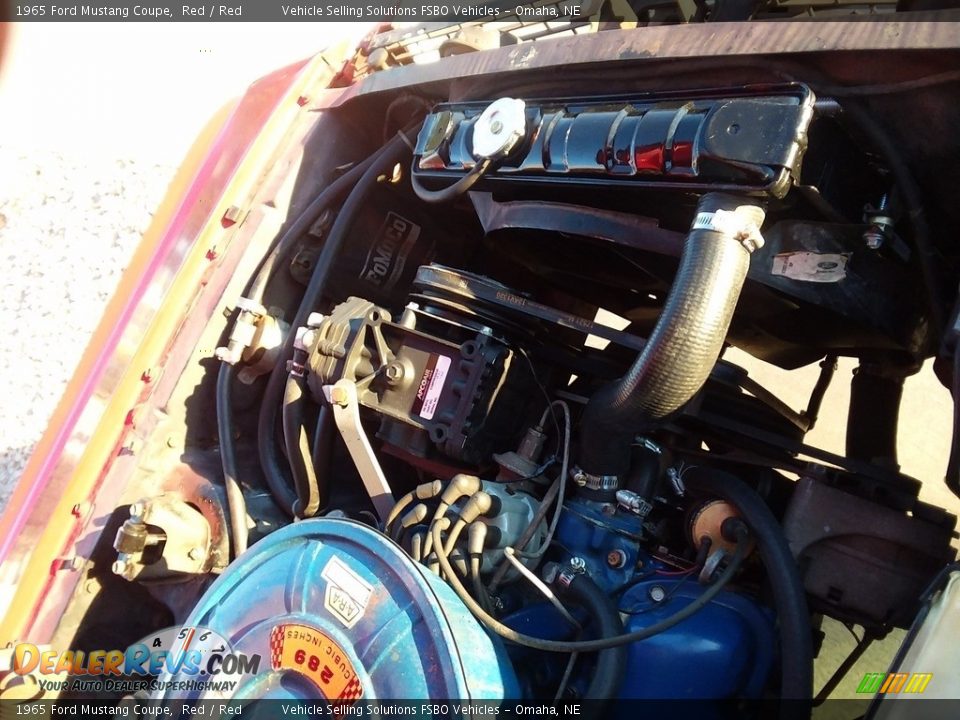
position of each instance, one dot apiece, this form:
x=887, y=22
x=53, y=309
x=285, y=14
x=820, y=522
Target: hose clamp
x=739, y=224
x=634, y=503
x=595, y=482
x=576, y=566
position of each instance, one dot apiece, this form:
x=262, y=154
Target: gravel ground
x=94, y=118
x=68, y=225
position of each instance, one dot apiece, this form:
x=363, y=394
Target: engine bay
x=469, y=429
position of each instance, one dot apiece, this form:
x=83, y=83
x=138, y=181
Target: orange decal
x=318, y=657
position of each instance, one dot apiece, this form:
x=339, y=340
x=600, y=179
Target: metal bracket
x=165, y=537
x=712, y=564
x=346, y=414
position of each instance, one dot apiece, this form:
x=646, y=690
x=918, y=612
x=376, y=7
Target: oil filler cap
x=498, y=130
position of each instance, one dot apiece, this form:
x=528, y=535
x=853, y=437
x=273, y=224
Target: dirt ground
x=93, y=119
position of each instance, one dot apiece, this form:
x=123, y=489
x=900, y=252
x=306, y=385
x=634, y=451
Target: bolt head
x=657, y=593
x=136, y=509
x=120, y=568
x=394, y=373
x=873, y=238
x=315, y=319
x=616, y=559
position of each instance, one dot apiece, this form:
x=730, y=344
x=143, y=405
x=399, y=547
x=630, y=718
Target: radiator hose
x=688, y=337
x=611, y=664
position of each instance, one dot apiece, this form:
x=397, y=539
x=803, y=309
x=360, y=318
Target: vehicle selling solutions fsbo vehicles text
x=392, y=12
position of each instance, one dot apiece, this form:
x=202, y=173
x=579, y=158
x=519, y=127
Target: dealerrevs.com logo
x=199, y=658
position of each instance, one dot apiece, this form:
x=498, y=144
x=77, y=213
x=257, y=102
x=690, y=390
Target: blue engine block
x=725, y=650
x=590, y=531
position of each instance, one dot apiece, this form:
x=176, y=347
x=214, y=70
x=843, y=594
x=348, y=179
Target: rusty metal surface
x=86, y=418
x=910, y=31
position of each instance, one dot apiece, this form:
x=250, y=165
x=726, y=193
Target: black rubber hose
x=874, y=415
x=568, y=646
x=322, y=448
x=611, y=665
x=270, y=460
x=333, y=192
x=451, y=192
x=281, y=247
x=684, y=345
x=236, y=503
x=793, y=617
x=309, y=499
